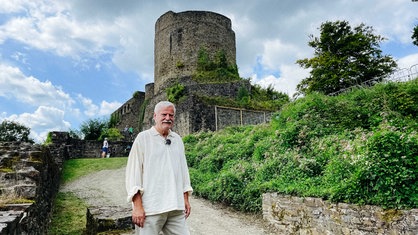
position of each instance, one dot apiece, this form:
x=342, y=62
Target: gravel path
x=107, y=187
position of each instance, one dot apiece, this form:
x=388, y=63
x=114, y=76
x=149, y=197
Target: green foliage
x=344, y=57
x=243, y=96
x=415, y=36
x=14, y=131
x=175, y=93
x=136, y=94
x=258, y=99
x=48, y=138
x=114, y=119
x=92, y=129
x=75, y=134
x=142, y=113
x=215, y=69
x=179, y=64
x=112, y=134
x=360, y=147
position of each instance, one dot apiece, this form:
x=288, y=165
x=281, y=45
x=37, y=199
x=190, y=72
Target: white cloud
x=107, y=108
x=42, y=121
x=408, y=61
x=90, y=109
x=93, y=111
x=277, y=53
x=29, y=90
x=290, y=76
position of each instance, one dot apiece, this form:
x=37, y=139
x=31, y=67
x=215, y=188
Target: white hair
x=164, y=104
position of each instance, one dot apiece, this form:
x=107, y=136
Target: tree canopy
x=93, y=128
x=344, y=57
x=13, y=131
x=415, y=36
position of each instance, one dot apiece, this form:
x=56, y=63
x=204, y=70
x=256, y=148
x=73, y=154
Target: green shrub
x=360, y=147
x=175, y=93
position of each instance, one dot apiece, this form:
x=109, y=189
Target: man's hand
x=138, y=216
x=138, y=212
x=187, y=207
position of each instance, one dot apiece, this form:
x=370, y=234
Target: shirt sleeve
x=186, y=176
x=134, y=171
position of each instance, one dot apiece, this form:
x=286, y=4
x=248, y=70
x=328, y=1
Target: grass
x=69, y=212
x=76, y=168
x=69, y=216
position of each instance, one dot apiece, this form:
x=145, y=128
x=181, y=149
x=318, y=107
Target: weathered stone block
x=108, y=218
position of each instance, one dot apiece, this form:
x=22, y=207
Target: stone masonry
x=180, y=36
x=178, y=39
x=294, y=215
x=29, y=172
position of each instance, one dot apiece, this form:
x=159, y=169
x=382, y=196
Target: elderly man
x=157, y=177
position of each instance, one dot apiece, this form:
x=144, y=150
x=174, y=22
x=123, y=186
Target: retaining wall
x=295, y=215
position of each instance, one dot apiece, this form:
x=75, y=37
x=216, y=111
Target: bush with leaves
x=112, y=134
x=14, y=131
x=360, y=147
x=92, y=129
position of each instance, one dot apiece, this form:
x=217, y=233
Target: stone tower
x=180, y=36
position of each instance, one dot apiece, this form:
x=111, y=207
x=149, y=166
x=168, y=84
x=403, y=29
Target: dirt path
x=107, y=187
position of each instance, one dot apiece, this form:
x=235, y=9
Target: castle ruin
x=179, y=38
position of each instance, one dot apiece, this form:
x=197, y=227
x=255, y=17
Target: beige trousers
x=169, y=223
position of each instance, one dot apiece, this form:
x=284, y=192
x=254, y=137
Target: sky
x=66, y=62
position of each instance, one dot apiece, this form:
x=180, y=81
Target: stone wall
x=193, y=115
x=89, y=148
x=31, y=172
x=128, y=114
x=295, y=215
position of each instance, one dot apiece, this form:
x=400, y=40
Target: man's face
x=164, y=119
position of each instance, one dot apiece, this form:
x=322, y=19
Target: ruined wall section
x=180, y=36
x=128, y=114
x=31, y=172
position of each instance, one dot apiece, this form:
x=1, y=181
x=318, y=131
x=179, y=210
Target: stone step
x=109, y=218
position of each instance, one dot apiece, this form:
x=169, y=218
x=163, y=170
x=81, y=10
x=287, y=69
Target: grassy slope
x=359, y=147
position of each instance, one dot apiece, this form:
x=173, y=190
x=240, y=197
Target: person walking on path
x=105, y=148
x=157, y=177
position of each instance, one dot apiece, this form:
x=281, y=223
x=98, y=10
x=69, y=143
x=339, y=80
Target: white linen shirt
x=159, y=171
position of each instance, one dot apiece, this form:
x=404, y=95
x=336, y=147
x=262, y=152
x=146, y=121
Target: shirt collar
x=155, y=132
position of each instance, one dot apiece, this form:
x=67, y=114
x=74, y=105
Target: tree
x=93, y=128
x=113, y=134
x=344, y=57
x=415, y=36
x=13, y=131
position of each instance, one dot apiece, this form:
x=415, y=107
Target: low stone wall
x=295, y=215
x=31, y=172
x=76, y=148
